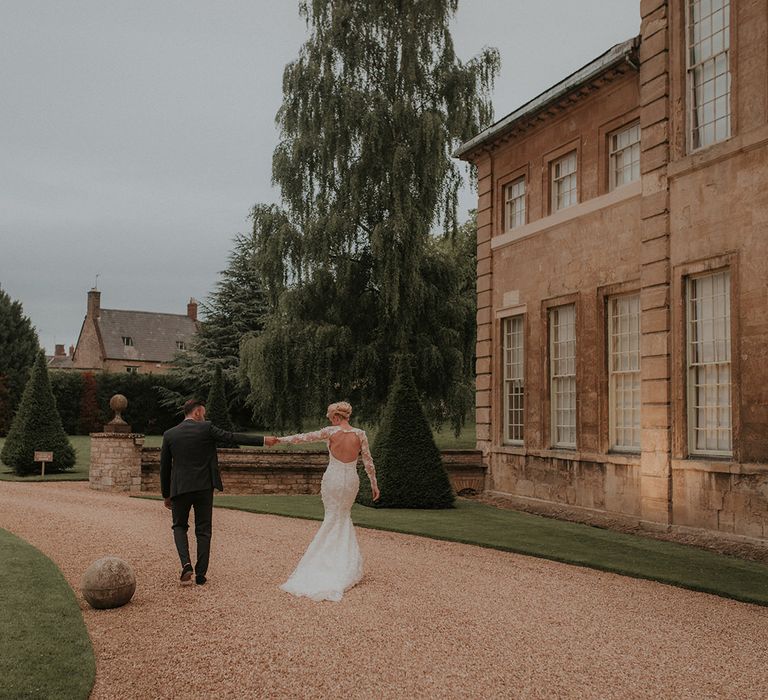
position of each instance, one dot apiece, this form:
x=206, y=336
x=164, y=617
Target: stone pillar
x=116, y=462
x=655, y=275
x=116, y=453
x=484, y=349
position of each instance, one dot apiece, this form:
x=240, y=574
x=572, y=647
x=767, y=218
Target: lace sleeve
x=370, y=469
x=316, y=436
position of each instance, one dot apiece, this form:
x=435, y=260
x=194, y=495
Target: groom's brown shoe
x=186, y=573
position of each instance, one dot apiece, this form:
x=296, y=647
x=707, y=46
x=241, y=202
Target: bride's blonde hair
x=341, y=409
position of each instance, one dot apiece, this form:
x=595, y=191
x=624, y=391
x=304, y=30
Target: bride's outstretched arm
x=370, y=469
x=316, y=436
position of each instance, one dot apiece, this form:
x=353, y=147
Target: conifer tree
x=409, y=466
x=373, y=107
x=37, y=426
x=18, y=348
x=234, y=309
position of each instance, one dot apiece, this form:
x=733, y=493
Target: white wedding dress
x=332, y=563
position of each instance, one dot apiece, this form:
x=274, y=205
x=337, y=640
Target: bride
x=332, y=563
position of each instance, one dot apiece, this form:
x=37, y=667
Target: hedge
x=145, y=414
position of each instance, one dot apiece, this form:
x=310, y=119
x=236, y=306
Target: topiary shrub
x=18, y=349
x=409, y=466
x=216, y=409
x=37, y=426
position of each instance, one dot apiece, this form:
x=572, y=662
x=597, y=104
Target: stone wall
x=116, y=461
x=595, y=482
x=285, y=472
x=730, y=498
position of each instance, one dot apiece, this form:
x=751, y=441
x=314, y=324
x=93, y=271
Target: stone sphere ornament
x=118, y=403
x=108, y=583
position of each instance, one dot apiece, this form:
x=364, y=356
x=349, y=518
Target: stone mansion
x=622, y=278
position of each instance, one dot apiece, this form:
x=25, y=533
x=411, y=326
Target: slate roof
x=60, y=362
x=154, y=335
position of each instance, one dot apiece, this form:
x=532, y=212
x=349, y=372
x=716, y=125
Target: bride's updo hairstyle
x=342, y=409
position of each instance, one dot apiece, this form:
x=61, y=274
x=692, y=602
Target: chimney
x=71, y=350
x=192, y=309
x=59, y=352
x=94, y=303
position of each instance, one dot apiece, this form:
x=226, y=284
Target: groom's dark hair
x=191, y=405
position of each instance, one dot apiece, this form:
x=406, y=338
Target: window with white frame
x=709, y=76
x=514, y=204
x=132, y=370
x=564, y=182
x=624, y=155
x=709, y=364
x=127, y=341
x=624, y=372
x=562, y=364
x=514, y=380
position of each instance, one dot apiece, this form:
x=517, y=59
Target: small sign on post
x=43, y=457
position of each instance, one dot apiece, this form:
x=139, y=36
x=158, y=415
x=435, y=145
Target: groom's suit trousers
x=202, y=503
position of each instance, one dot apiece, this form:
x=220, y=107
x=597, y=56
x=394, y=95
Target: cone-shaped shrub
x=409, y=466
x=37, y=426
x=216, y=407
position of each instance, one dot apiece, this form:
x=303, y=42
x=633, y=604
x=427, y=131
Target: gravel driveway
x=430, y=619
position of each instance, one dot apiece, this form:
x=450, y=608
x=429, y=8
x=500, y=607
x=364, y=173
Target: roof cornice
x=605, y=69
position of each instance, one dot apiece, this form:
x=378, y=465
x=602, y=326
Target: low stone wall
x=255, y=471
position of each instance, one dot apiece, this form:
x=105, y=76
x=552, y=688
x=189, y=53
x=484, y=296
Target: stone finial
x=118, y=403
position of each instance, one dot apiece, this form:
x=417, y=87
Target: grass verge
x=82, y=445
x=523, y=533
x=45, y=651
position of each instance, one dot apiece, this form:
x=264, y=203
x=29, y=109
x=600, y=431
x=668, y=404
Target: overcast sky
x=135, y=135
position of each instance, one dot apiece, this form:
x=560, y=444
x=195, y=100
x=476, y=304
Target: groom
x=189, y=471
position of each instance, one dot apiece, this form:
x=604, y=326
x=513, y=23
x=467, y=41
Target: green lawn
x=444, y=438
x=573, y=543
x=45, y=651
x=82, y=445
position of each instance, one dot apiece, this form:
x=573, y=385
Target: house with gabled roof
x=141, y=342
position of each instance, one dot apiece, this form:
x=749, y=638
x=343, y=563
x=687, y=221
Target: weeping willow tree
x=372, y=109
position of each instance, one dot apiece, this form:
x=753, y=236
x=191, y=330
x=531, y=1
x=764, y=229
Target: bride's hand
x=375, y=492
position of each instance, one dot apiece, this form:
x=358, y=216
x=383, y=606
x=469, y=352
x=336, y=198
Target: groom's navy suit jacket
x=188, y=460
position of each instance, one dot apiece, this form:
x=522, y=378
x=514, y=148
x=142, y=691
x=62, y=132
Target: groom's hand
x=167, y=503
x=270, y=440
